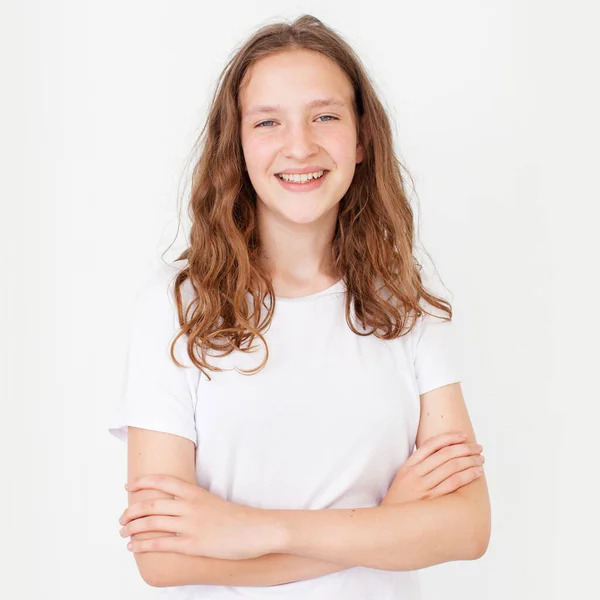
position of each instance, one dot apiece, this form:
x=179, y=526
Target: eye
x=321, y=117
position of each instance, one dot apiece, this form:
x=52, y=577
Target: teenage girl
x=283, y=369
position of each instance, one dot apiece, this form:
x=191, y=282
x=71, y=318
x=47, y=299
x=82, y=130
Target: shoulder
x=432, y=323
x=155, y=314
x=433, y=320
x=156, y=290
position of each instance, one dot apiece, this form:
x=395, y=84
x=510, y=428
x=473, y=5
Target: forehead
x=294, y=78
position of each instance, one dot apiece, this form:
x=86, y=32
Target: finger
x=446, y=454
x=456, y=465
x=162, y=544
x=145, y=524
x=433, y=444
x=154, y=506
x=456, y=481
x=163, y=483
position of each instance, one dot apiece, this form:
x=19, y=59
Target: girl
x=285, y=468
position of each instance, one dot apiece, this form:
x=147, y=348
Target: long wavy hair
x=373, y=241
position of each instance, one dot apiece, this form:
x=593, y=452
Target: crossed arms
x=406, y=536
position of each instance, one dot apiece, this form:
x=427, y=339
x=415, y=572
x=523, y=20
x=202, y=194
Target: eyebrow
x=318, y=103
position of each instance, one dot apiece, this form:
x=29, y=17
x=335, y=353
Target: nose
x=299, y=143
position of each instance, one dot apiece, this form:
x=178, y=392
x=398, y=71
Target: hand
x=441, y=465
x=203, y=523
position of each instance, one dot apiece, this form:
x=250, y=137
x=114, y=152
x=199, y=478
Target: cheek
x=258, y=152
x=341, y=145
x=350, y=142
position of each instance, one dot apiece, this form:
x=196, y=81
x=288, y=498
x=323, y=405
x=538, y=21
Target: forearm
x=267, y=570
x=400, y=537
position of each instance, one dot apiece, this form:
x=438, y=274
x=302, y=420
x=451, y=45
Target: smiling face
x=285, y=126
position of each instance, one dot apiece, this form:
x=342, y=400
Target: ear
x=360, y=154
x=363, y=139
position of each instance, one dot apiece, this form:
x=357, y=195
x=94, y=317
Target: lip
x=310, y=169
x=302, y=187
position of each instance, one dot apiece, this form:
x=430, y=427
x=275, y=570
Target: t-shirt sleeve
x=156, y=393
x=437, y=354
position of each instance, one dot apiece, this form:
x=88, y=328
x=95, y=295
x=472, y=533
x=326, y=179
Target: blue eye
x=321, y=117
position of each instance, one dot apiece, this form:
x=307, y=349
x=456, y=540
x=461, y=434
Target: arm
x=158, y=452
x=468, y=506
x=267, y=570
x=407, y=536
x=397, y=537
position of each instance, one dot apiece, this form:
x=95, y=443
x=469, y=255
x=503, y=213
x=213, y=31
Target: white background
x=495, y=111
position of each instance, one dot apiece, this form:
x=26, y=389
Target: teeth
x=296, y=178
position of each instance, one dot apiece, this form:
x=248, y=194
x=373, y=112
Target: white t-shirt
x=326, y=424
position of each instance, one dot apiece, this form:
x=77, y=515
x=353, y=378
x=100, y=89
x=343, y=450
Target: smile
x=302, y=187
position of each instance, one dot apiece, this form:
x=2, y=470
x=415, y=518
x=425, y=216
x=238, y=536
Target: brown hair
x=374, y=235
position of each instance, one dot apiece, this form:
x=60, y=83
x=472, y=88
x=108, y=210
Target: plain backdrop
x=495, y=113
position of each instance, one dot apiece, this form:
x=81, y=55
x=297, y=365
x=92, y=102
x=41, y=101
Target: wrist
x=274, y=529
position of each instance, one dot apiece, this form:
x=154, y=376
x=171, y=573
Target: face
x=293, y=134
